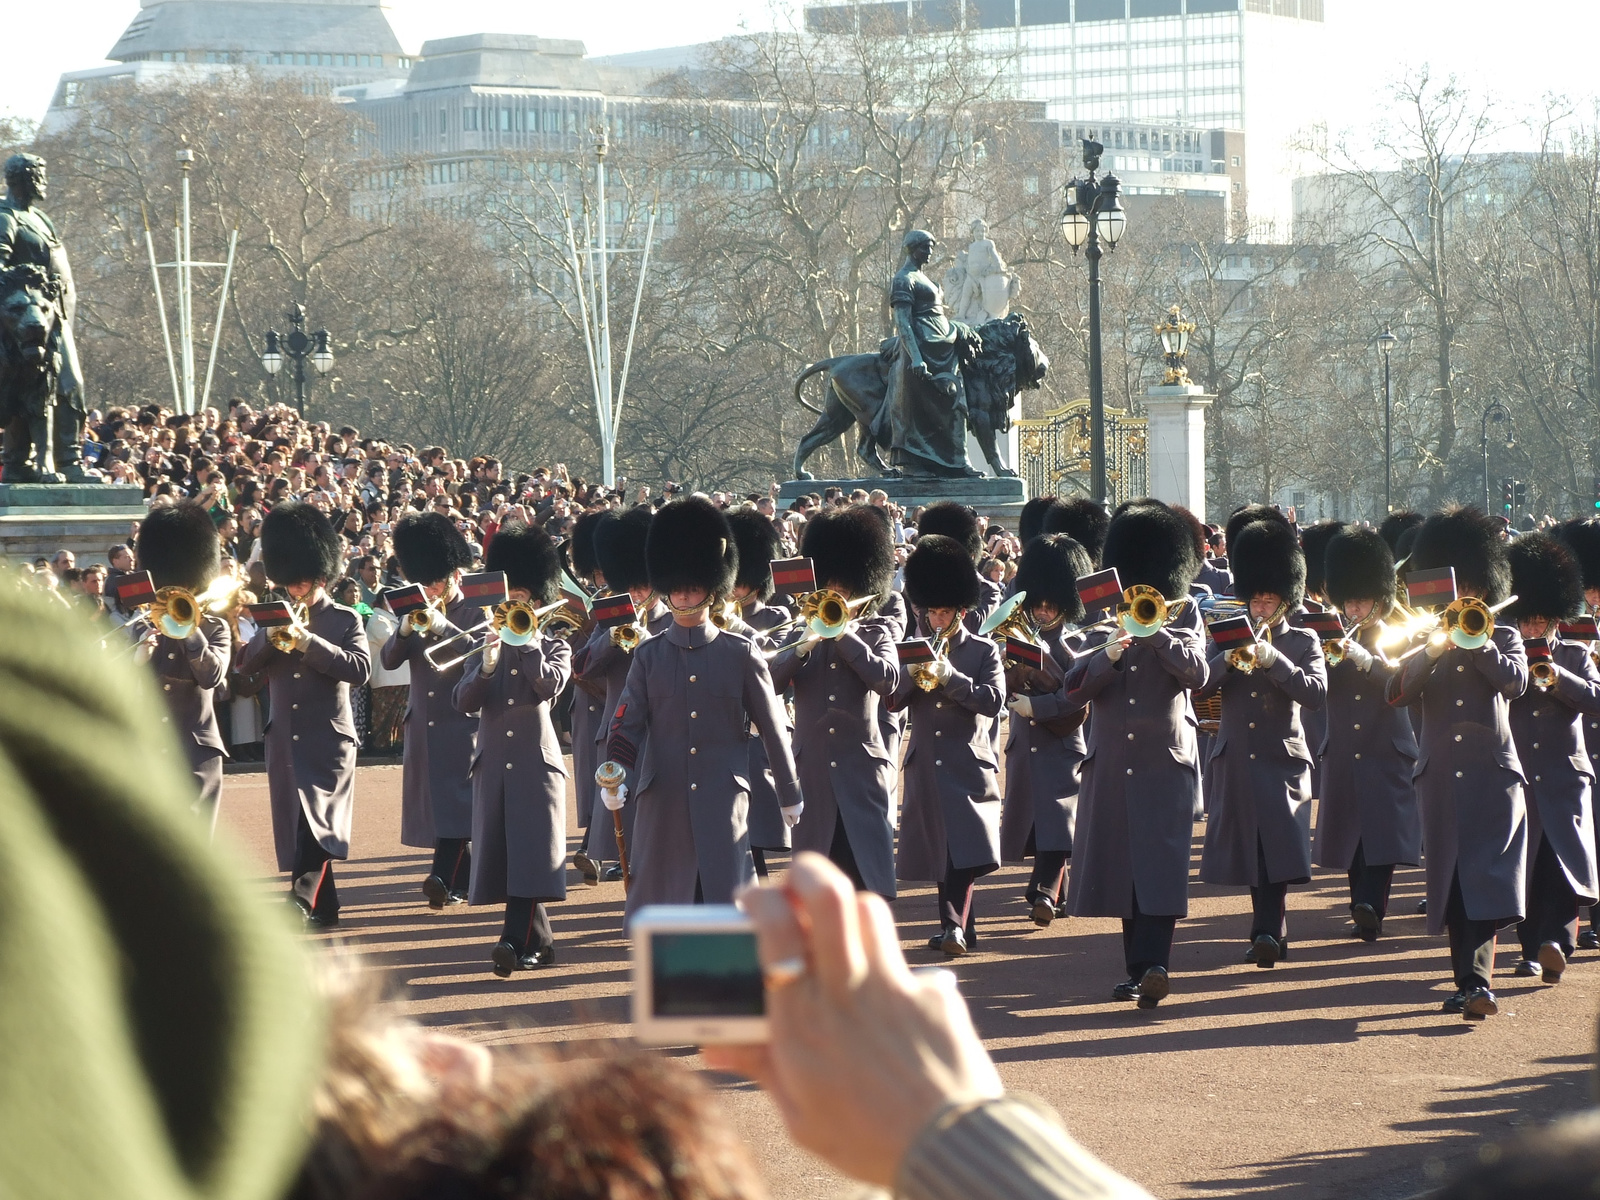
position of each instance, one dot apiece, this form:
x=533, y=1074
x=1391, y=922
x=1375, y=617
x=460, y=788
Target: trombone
x=516, y=621
x=824, y=613
x=1467, y=622
x=176, y=611
x=1142, y=611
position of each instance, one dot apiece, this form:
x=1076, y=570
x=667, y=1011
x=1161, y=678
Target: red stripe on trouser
x=316, y=892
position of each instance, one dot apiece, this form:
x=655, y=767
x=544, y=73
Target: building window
x=444, y=121
x=991, y=14
x=1214, y=6
x=505, y=120
x=71, y=97
x=1102, y=10
x=1156, y=8
x=469, y=119
x=1236, y=160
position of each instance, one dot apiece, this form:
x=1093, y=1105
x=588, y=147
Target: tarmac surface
x=1332, y=1075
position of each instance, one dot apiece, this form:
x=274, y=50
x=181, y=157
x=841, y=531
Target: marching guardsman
x=1583, y=539
x=950, y=803
x=840, y=684
x=1044, y=754
x=588, y=696
x=1258, y=833
x=756, y=541
x=959, y=523
x=1547, y=726
x=311, y=741
x=178, y=546
x=1141, y=774
x=1314, y=541
x=1367, y=818
x=619, y=543
x=1469, y=779
x=436, y=789
x=680, y=726
x=519, y=778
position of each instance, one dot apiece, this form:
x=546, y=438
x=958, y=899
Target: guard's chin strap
x=688, y=612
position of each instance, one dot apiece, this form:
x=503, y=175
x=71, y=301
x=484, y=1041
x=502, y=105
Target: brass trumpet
x=922, y=673
x=1543, y=674
x=627, y=637
x=283, y=637
x=421, y=619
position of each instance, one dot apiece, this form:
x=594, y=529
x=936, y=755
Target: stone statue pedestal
x=40, y=518
x=998, y=499
x=1177, y=444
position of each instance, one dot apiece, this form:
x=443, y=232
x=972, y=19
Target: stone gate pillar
x=1177, y=442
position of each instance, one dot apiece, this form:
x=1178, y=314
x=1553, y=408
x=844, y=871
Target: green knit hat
x=158, y=1036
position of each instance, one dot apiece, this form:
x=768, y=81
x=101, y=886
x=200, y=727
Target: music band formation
x=1431, y=685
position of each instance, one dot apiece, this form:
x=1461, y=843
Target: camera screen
x=706, y=975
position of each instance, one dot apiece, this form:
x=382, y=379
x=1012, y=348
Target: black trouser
x=760, y=857
x=1370, y=884
x=955, y=897
x=1146, y=940
x=1049, y=872
x=1552, y=905
x=842, y=856
x=452, y=862
x=312, y=882
x=1269, y=902
x=1471, y=942
x=527, y=924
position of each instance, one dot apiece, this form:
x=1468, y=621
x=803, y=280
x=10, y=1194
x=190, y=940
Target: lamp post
x=1386, y=343
x=299, y=346
x=1094, y=216
x=1174, y=333
x=1499, y=413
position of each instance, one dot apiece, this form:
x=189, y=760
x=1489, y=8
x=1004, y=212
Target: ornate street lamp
x=299, y=346
x=1093, y=217
x=1174, y=332
x=1499, y=414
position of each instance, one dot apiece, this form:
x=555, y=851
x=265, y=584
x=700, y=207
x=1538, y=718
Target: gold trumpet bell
x=1543, y=674
x=1243, y=659
x=284, y=636
x=1469, y=622
x=1334, y=652
x=516, y=621
x=627, y=637
x=827, y=613
x=1142, y=610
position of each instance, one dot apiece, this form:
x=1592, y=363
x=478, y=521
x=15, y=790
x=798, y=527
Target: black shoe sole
x=1267, y=951
x=1043, y=914
x=1480, y=1006
x=1153, y=988
x=504, y=956
x=436, y=891
x=588, y=868
x=1365, y=917
x=1552, y=962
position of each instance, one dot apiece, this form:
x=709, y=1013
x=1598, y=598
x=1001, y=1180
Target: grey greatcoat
x=1259, y=776
x=1547, y=727
x=602, y=664
x=950, y=808
x=1141, y=773
x=681, y=723
x=310, y=734
x=588, y=701
x=846, y=773
x=895, y=614
x=1469, y=778
x=189, y=671
x=768, y=830
x=1313, y=720
x=435, y=788
x=1043, y=771
x=1368, y=758
x=519, y=779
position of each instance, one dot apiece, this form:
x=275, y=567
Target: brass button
x=693, y=715
x=508, y=732
x=1253, y=695
x=938, y=703
x=1033, y=749
x=938, y=762
x=1358, y=697
x=1458, y=737
x=513, y=670
x=833, y=666
x=1459, y=703
x=693, y=750
x=692, y=678
x=938, y=733
x=834, y=764
x=1130, y=737
x=430, y=724
x=1358, y=726
x=830, y=728
x=166, y=687
x=1458, y=774
x=1130, y=770
x=830, y=697
x=430, y=695
x=1252, y=756
x=295, y=737
x=508, y=766
x=1358, y=757
x=510, y=701
x=694, y=787
x=1252, y=724
x=1536, y=745
x=297, y=674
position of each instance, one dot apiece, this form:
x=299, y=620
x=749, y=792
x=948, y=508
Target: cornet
x=421, y=619
x=284, y=637
x=922, y=673
x=1543, y=673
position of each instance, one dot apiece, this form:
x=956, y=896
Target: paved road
x=1329, y=1076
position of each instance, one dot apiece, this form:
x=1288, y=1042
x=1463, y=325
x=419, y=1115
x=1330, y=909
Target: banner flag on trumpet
x=270, y=614
x=794, y=576
x=612, y=611
x=1326, y=625
x=1538, y=649
x=916, y=651
x=1580, y=629
x=406, y=598
x=134, y=589
x=1100, y=591
x=1232, y=632
x=1025, y=654
x=487, y=589
x=1424, y=589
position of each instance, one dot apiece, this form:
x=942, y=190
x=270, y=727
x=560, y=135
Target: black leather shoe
x=505, y=958
x=1365, y=917
x=1264, y=951
x=544, y=956
x=1589, y=939
x=612, y=874
x=936, y=942
x=436, y=890
x=1043, y=912
x=1061, y=910
x=587, y=867
x=1553, y=962
x=457, y=898
x=1455, y=1004
x=1527, y=969
x=1128, y=989
x=954, y=943
x=1422, y=905
x=1367, y=935
x=317, y=923
x=1153, y=987
x=1478, y=1004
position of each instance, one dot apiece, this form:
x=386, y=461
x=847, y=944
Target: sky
x=1546, y=48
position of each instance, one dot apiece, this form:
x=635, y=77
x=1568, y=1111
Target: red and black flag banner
x=918, y=650
x=1326, y=625
x=1431, y=589
x=611, y=611
x=1580, y=629
x=406, y=598
x=486, y=589
x=1025, y=654
x=1538, y=649
x=1100, y=591
x=1230, y=633
x=794, y=576
x=271, y=613
x=134, y=589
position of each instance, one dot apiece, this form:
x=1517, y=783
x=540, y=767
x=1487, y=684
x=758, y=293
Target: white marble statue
x=978, y=287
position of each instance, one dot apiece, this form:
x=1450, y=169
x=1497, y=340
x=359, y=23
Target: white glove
x=805, y=645
x=791, y=815
x=406, y=627
x=436, y=621
x=1115, y=649
x=146, y=649
x=1266, y=655
x=302, y=638
x=614, y=798
x=491, y=652
x=1437, y=645
x=1021, y=705
x=940, y=669
x=1356, y=653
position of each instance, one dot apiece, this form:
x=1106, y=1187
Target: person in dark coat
x=1258, y=833
x=588, y=695
x=519, y=777
x=1141, y=776
x=691, y=693
x=846, y=772
x=1082, y=520
x=178, y=545
x=1314, y=541
x=959, y=523
x=1367, y=817
x=1469, y=779
x=950, y=803
x=1582, y=537
x=1044, y=759
x=436, y=788
x=602, y=664
x=310, y=735
x=1547, y=726
x=757, y=543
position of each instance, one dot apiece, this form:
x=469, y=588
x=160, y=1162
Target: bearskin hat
x=1545, y=578
x=1394, y=527
x=178, y=545
x=528, y=556
x=852, y=547
x=757, y=542
x=580, y=550
x=1082, y=520
x=1358, y=565
x=940, y=574
x=1148, y=543
x=690, y=545
x=1314, y=543
x=1247, y=515
x=1464, y=538
x=1050, y=569
x=619, y=541
x=429, y=547
x=955, y=521
x=1030, y=521
x=1583, y=539
x=298, y=545
x=1266, y=557
x=1197, y=529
